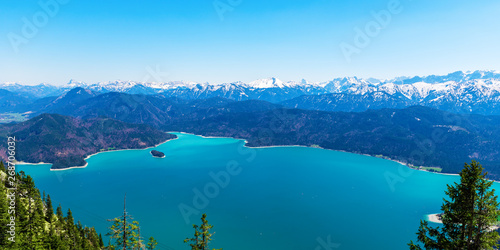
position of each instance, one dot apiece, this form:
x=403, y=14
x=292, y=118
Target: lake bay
x=262, y=198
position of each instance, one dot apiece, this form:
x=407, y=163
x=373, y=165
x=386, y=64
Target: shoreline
x=85, y=159
x=303, y=146
x=435, y=218
x=29, y=163
x=117, y=150
x=73, y=167
x=245, y=145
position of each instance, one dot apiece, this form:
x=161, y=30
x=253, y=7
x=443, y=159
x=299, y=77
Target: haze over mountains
x=475, y=92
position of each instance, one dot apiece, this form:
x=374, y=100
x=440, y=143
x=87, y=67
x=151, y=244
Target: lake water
x=265, y=198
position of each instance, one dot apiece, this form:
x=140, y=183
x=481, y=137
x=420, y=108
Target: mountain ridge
x=393, y=133
x=475, y=92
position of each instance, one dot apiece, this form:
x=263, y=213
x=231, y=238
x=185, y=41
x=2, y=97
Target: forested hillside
x=66, y=141
x=417, y=135
x=36, y=225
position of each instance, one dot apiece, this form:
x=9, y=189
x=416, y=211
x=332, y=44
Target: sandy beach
x=62, y=169
x=28, y=163
x=434, y=218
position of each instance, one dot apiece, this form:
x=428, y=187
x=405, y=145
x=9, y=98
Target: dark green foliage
x=59, y=213
x=469, y=213
x=4, y=207
x=50, y=209
x=125, y=233
x=151, y=243
x=36, y=226
x=101, y=243
x=202, y=235
x=117, y=231
x=35, y=229
x=157, y=153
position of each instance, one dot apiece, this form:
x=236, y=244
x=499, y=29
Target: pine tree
x=50, y=210
x=151, y=243
x=202, y=235
x=59, y=213
x=124, y=232
x=101, y=243
x=33, y=230
x=69, y=218
x=38, y=223
x=124, y=237
x=468, y=215
x=69, y=226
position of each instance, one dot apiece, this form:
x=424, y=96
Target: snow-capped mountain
x=270, y=89
x=37, y=91
x=463, y=92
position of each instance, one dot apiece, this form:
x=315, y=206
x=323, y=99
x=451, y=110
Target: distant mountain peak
x=270, y=82
x=462, y=88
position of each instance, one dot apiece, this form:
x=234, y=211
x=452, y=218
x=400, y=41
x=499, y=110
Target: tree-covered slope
x=35, y=224
x=66, y=141
x=417, y=135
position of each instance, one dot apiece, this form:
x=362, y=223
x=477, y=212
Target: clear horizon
x=223, y=41
x=215, y=83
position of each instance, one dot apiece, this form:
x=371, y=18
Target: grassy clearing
x=431, y=169
x=13, y=117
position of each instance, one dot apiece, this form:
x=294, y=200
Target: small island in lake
x=157, y=154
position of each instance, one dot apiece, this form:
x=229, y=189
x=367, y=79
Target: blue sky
x=110, y=40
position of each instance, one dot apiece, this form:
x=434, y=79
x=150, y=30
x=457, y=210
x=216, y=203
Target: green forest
x=28, y=221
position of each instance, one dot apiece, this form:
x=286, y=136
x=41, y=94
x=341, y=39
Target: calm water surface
x=266, y=198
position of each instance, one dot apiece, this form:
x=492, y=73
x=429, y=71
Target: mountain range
x=417, y=135
x=434, y=121
x=475, y=92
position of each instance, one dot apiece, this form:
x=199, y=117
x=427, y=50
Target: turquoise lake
x=264, y=198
